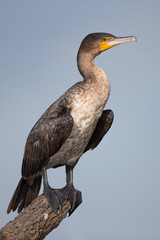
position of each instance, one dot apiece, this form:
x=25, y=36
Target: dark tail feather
x=24, y=194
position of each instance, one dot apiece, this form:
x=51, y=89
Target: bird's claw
x=74, y=196
x=55, y=198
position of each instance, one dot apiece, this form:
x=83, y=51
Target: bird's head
x=95, y=43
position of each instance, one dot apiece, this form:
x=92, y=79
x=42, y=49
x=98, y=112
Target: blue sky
x=120, y=180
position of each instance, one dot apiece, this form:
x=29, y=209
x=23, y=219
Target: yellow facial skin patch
x=106, y=43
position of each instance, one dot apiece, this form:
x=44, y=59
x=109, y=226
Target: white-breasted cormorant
x=72, y=125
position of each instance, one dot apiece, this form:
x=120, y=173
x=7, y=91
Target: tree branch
x=35, y=222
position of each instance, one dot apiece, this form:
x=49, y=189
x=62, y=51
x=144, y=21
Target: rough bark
x=35, y=222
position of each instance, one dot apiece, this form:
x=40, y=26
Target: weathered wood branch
x=35, y=222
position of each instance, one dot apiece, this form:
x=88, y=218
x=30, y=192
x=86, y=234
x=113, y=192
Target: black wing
x=103, y=125
x=44, y=140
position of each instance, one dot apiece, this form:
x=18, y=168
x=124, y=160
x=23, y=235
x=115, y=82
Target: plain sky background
x=120, y=180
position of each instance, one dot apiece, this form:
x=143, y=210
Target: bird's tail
x=24, y=194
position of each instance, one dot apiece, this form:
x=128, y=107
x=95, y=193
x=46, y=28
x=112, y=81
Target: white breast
x=86, y=108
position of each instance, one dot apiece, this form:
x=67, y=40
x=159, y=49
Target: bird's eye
x=104, y=39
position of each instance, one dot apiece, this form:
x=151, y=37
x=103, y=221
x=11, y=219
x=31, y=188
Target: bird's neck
x=86, y=67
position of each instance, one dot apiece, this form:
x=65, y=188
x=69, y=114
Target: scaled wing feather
x=44, y=141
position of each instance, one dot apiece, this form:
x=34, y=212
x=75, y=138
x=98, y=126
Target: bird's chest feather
x=86, y=108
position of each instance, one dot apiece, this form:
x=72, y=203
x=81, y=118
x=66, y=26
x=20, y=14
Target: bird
x=75, y=123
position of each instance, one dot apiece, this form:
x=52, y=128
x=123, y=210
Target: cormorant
x=72, y=125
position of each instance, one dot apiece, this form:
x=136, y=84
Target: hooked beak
x=111, y=42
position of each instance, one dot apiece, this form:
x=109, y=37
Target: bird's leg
x=72, y=194
x=55, y=197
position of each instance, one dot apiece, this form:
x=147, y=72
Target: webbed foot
x=55, y=197
x=74, y=196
